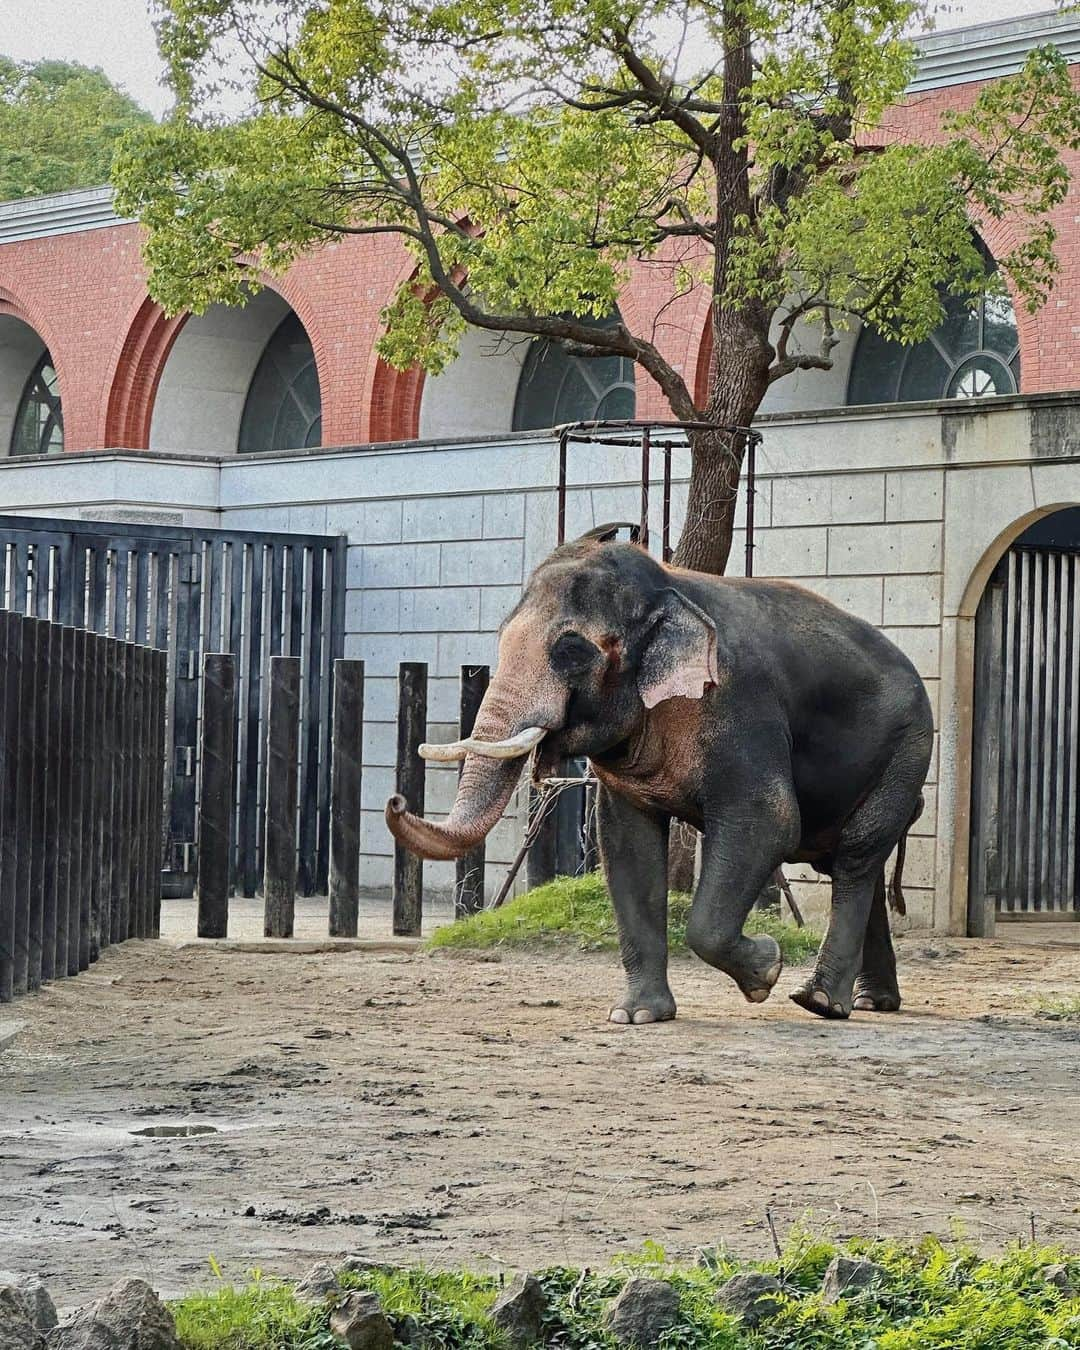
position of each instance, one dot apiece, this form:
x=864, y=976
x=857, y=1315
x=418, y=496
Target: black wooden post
x=53, y=939
x=469, y=879
x=158, y=824
x=411, y=729
x=100, y=777
x=66, y=842
x=127, y=795
x=218, y=760
x=346, y=778
x=112, y=917
x=80, y=823
x=137, y=920
x=25, y=802
x=38, y=843
x=282, y=753
x=10, y=647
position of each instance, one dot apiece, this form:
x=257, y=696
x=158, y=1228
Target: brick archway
x=142, y=355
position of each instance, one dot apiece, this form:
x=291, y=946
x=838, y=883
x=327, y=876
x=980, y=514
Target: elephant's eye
x=573, y=654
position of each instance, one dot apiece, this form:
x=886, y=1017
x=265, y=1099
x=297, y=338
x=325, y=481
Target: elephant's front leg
x=634, y=846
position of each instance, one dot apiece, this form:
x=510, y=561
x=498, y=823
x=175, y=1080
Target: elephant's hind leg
x=876, y=989
x=634, y=849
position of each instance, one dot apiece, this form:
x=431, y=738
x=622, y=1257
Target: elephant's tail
x=896, y=886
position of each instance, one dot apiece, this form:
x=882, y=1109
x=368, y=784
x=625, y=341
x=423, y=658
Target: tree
x=59, y=125
x=527, y=150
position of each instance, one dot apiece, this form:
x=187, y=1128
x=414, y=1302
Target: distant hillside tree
x=59, y=125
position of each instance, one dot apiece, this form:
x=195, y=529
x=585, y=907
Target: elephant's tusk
x=513, y=748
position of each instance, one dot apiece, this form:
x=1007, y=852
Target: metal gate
x=193, y=591
x=1025, y=807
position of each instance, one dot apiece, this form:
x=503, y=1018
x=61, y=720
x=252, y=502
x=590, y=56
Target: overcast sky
x=117, y=35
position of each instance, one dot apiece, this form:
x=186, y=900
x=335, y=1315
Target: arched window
x=283, y=409
x=973, y=353
x=555, y=387
x=39, y=422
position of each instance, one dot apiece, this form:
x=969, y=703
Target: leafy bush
x=578, y=910
x=932, y=1297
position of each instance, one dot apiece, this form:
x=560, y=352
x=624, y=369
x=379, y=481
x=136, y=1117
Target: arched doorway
x=31, y=416
x=1024, y=857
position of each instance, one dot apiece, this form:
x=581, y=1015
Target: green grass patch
x=577, y=910
x=930, y=1296
x=1058, y=1007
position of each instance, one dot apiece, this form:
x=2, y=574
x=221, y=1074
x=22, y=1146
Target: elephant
x=778, y=725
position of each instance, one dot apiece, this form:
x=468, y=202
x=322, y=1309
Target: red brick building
x=88, y=360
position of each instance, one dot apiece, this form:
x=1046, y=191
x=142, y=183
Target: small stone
x=17, y=1332
x=848, y=1275
x=318, y=1284
x=643, y=1312
x=1058, y=1275
x=751, y=1297
x=521, y=1310
x=360, y=1322
x=129, y=1317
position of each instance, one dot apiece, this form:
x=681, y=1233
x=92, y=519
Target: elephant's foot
x=758, y=975
x=876, y=994
x=819, y=1001
x=640, y=1007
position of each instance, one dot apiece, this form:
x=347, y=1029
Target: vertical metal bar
x=218, y=755
x=65, y=844
x=40, y=600
x=469, y=871
x=1009, y=759
x=38, y=841
x=646, y=469
x=20, y=566
x=141, y=596
x=25, y=802
x=237, y=581
x=411, y=729
x=325, y=714
x=185, y=726
x=101, y=561
x=563, y=438
x=665, y=550
x=1023, y=707
x=119, y=622
x=1038, y=655
x=1046, y=735
x=309, y=785
x=282, y=753
x=751, y=492
x=1074, y=731
x=54, y=921
x=214, y=589
x=347, y=760
x=10, y=652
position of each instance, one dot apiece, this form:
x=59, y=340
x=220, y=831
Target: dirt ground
x=440, y=1109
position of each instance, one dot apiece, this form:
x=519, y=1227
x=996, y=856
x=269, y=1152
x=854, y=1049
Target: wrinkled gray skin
x=781, y=727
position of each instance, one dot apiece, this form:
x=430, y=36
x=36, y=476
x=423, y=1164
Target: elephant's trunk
x=511, y=720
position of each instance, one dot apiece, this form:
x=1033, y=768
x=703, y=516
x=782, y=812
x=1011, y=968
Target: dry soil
x=443, y=1109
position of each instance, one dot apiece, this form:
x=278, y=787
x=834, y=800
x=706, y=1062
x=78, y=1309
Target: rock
x=1058, y=1275
x=360, y=1322
x=39, y=1306
x=318, y=1284
x=521, y=1310
x=129, y=1317
x=751, y=1297
x=848, y=1275
x=9, y=1029
x=17, y=1332
x=642, y=1312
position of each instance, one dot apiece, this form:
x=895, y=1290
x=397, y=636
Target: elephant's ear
x=679, y=660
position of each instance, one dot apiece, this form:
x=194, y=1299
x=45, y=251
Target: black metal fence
x=189, y=592
x=82, y=745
